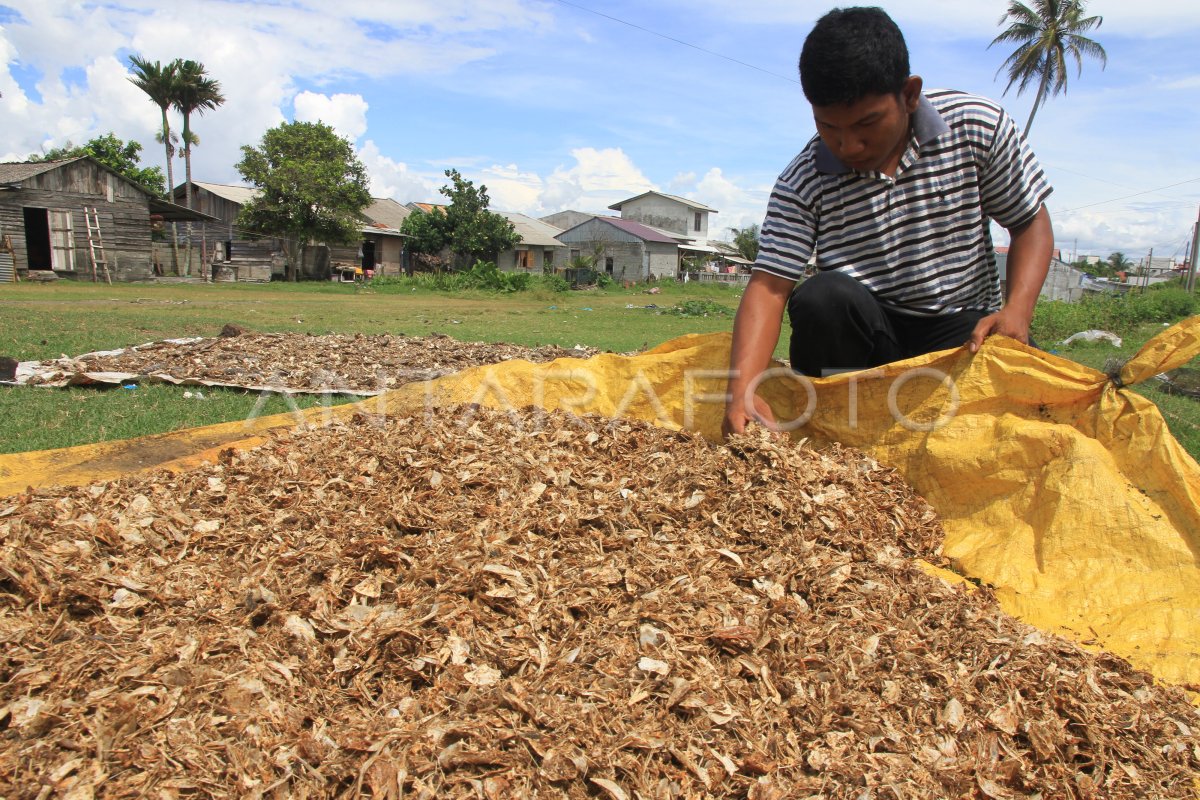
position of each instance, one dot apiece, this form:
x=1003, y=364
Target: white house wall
x=667, y=214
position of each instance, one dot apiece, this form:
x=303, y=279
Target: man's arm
x=1028, y=263
x=755, y=334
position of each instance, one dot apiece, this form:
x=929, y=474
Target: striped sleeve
x=789, y=230
x=1013, y=186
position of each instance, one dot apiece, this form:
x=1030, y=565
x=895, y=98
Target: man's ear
x=911, y=93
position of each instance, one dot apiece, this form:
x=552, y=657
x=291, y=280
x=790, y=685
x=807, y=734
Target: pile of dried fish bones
x=487, y=605
x=347, y=363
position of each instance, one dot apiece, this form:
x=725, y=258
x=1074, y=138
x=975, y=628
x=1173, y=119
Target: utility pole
x=1191, y=276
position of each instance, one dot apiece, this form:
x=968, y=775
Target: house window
x=547, y=259
x=697, y=222
x=608, y=265
x=524, y=259
x=574, y=254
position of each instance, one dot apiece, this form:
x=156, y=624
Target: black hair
x=851, y=53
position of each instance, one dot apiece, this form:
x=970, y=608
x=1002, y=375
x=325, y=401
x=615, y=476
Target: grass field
x=39, y=322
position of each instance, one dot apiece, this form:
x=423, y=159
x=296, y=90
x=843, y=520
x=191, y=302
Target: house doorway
x=49, y=239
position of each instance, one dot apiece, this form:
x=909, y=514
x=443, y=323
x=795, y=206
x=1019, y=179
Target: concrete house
x=52, y=214
x=564, y=220
x=684, y=219
x=538, y=249
x=626, y=250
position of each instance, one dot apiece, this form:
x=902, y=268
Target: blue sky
x=557, y=105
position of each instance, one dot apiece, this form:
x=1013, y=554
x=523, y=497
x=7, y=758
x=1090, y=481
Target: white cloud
x=509, y=189
x=258, y=52
x=345, y=113
x=597, y=179
x=682, y=183
x=390, y=178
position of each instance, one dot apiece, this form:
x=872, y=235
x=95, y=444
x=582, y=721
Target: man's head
x=851, y=53
x=854, y=70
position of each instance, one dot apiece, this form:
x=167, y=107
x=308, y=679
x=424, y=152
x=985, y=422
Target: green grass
x=39, y=322
x=42, y=322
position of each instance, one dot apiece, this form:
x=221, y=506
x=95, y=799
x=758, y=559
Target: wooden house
x=76, y=218
x=243, y=256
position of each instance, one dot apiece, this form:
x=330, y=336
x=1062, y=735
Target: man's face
x=870, y=134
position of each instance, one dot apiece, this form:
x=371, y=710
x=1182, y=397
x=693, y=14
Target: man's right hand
x=738, y=416
x=755, y=334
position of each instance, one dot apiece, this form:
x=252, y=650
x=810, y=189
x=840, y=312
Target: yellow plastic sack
x=1058, y=487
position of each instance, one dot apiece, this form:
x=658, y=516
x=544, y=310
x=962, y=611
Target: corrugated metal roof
x=533, y=231
x=235, y=194
x=426, y=207
x=387, y=211
x=676, y=198
x=639, y=230
x=15, y=172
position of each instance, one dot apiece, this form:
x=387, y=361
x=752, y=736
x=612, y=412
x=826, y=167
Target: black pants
x=838, y=325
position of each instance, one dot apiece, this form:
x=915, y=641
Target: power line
x=678, y=41
x=1126, y=197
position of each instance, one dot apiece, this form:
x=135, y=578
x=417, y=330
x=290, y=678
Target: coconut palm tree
x=158, y=82
x=195, y=92
x=1046, y=32
x=746, y=241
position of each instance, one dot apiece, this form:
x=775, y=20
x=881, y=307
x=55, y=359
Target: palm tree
x=746, y=241
x=158, y=82
x=1119, y=262
x=195, y=92
x=1045, y=34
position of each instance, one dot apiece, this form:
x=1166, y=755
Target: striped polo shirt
x=919, y=241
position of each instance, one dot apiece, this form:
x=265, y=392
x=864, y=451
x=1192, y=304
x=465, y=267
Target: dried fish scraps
x=536, y=605
x=359, y=364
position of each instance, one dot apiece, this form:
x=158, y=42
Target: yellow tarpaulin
x=1057, y=486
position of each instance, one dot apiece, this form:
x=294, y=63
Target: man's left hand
x=1007, y=322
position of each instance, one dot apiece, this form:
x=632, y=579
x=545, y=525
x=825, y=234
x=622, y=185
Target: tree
x=465, y=227
x=1119, y=262
x=158, y=82
x=119, y=156
x=313, y=187
x=426, y=236
x=746, y=241
x=473, y=232
x=195, y=92
x=1046, y=33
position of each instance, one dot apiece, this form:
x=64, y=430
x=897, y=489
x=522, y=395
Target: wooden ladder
x=96, y=242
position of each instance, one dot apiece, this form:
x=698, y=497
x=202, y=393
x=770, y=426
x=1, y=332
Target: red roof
x=638, y=229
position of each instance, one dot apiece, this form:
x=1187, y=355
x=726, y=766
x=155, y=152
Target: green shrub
x=483, y=276
x=1054, y=320
x=555, y=283
x=701, y=308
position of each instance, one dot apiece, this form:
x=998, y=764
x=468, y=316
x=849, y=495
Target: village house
x=78, y=219
x=623, y=249
x=685, y=220
x=661, y=218
x=538, y=250
x=239, y=255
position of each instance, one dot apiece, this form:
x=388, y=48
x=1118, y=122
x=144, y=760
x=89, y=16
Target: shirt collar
x=927, y=125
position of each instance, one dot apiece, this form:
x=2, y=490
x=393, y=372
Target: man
x=891, y=200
